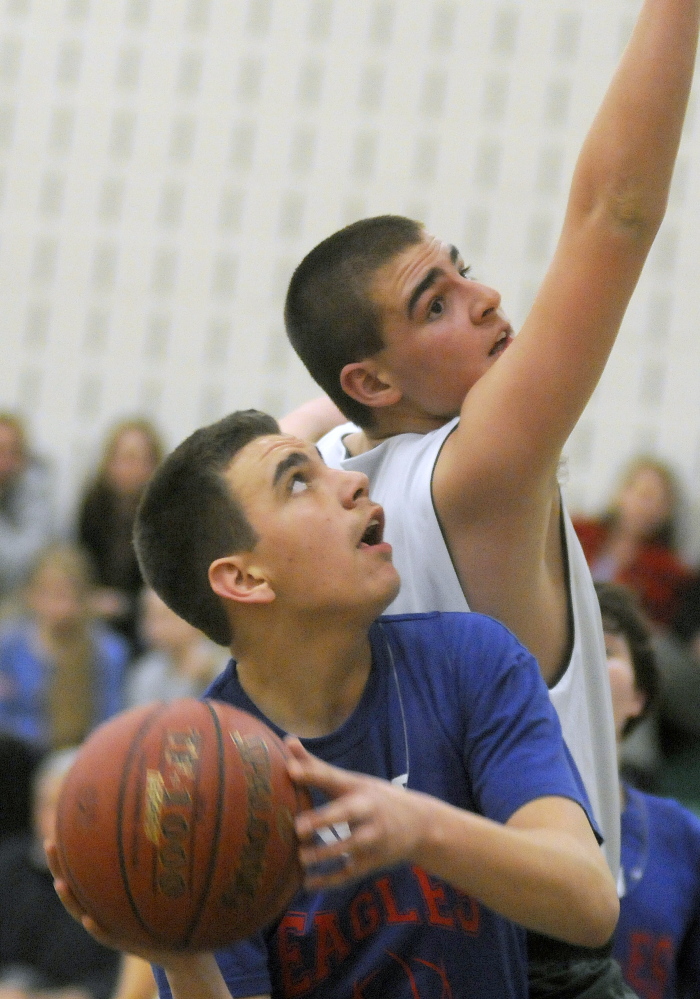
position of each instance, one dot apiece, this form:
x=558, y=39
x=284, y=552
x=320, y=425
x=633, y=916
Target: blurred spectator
x=44, y=952
x=26, y=504
x=679, y=661
x=180, y=661
x=657, y=939
x=634, y=541
x=61, y=672
x=18, y=761
x=132, y=451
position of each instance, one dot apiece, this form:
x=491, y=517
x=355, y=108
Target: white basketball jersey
x=400, y=472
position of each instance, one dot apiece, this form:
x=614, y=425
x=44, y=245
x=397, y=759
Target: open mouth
x=502, y=342
x=373, y=534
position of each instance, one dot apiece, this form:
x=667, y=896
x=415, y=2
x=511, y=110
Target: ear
x=364, y=383
x=638, y=703
x=234, y=579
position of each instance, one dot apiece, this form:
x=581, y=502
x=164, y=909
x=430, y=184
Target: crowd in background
x=82, y=638
x=634, y=542
x=72, y=604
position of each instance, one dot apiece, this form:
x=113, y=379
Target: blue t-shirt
x=454, y=706
x=25, y=678
x=657, y=940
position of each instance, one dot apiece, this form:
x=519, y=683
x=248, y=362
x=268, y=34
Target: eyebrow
x=430, y=278
x=292, y=460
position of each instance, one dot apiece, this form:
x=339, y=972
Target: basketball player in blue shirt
x=460, y=425
x=657, y=939
x=448, y=807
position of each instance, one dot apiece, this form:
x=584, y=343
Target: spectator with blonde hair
x=61, y=671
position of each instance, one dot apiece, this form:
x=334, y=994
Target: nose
x=353, y=486
x=484, y=302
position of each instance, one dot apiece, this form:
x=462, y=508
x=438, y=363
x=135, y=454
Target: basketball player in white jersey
x=460, y=426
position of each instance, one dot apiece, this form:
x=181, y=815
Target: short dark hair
x=330, y=318
x=622, y=615
x=188, y=517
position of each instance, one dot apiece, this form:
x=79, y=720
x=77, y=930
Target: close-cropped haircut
x=330, y=318
x=623, y=616
x=188, y=518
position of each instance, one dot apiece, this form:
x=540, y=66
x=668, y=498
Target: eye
x=298, y=483
x=436, y=307
x=466, y=272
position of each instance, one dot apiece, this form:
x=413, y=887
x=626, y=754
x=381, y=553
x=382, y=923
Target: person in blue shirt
x=448, y=808
x=61, y=670
x=657, y=940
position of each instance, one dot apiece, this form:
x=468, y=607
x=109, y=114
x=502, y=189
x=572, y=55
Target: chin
x=391, y=594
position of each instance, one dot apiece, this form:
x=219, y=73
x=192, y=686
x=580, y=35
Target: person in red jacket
x=634, y=542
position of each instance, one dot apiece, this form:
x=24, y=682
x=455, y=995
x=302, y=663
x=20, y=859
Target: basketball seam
x=214, y=851
x=126, y=773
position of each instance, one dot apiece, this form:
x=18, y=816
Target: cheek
x=624, y=695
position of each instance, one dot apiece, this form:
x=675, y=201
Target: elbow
x=603, y=926
x=635, y=215
x=599, y=910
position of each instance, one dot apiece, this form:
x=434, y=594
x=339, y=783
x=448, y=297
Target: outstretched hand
x=373, y=824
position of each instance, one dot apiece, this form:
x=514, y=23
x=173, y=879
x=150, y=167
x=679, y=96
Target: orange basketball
x=175, y=826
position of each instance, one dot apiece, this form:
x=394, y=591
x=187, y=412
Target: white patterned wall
x=165, y=163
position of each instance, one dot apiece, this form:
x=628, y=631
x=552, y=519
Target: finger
x=69, y=900
x=309, y=770
x=52, y=858
x=294, y=747
x=351, y=869
x=348, y=811
x=362, y=847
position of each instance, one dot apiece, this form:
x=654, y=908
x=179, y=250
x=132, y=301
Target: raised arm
x=312, y=419
x=517, y=417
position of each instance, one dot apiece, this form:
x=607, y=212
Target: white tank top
x=400, y=472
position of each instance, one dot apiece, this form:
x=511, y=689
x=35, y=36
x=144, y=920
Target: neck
x=309, y=683
x=391, y=425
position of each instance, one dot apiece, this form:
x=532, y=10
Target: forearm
x=544, y=879
x=196, y=977
x=312, y=419
x=135, y=979
x=628, y=156
x=543, y=869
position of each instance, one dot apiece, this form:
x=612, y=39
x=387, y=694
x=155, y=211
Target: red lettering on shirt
x=331, y=945
x=467, y=913
x=648, y=964
x=296, y=980
x=434, y=894
x=390, y=908
x=364, y=916
x=312, y=946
